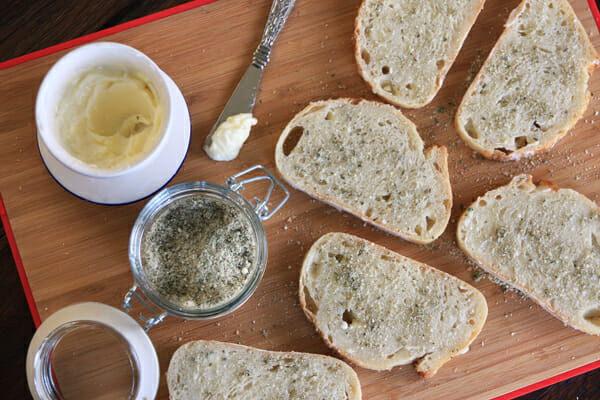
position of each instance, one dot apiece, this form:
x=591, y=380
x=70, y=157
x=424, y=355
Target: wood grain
x=75, y=251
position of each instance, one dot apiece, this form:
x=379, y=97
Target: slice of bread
x=379, y=309
x=368, y=159
x=533, y=86
x=544, y=241
x=404, y=48
x=214, y=370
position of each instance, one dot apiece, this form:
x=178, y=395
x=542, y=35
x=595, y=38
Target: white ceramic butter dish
x=111, y=186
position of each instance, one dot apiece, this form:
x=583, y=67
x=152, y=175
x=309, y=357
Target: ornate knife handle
x=280, y=11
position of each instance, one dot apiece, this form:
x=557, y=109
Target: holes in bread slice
x=311, y=305
x=340, y=258
x=365, y=56
x=538, y=127
x=430, y=222
x=387, y=86
x=419, y=230
x=593, y=316
x=385, y=70
x=471, y=130
x=292, y=140
x=482, y=203
x=274, y=368
x=440, y=64
x=503, y=150
x=348, y=317
x=521, y=141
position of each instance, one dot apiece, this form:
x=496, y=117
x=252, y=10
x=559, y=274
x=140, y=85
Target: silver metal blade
x=243, y=98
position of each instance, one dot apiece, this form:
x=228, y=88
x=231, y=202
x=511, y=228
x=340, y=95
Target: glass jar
x=254, y=214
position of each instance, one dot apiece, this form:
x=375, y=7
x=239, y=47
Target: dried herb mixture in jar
x=199, y=252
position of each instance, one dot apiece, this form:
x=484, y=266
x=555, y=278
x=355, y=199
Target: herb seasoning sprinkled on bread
x=404, y=48
x=368, y=159
x=534, y=85
x=379, y=309
x=215, y=370
x=544, y=241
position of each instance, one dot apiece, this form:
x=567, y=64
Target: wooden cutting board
x=75, y=251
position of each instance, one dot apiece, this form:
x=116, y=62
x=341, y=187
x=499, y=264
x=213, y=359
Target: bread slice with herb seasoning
x=368, y=159
x=542, y=240
x=533, y=86
x=379, y=309
x=214, y=370
x=404, y=48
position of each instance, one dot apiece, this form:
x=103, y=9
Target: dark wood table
x=26, y=26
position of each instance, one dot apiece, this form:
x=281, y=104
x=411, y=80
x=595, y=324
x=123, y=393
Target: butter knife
x=243, y=97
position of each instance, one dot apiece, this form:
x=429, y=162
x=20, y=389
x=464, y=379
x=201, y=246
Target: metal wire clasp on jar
x=198, y=250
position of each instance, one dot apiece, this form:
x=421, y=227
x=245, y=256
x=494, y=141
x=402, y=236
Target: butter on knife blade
x=226, y=141
x=242, y=100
